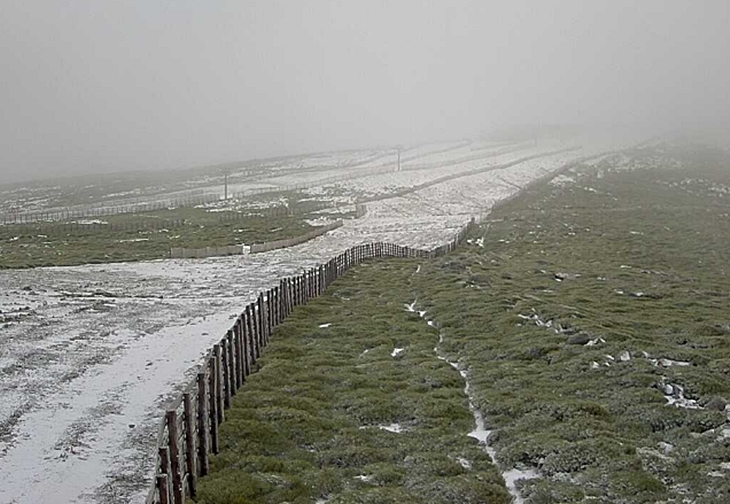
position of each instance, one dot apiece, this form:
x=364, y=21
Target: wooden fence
x=290, y=242
x=188, y=434
x=88, y=227
x=199, y=253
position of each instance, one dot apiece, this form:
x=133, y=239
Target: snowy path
x=90, y=354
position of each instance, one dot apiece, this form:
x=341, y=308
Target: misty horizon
x=102, y=88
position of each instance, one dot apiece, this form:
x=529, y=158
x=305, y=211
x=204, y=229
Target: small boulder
x=579, y=339
x=716, y=404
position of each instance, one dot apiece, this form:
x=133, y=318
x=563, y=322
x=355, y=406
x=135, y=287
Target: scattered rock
x=716, y=404
x=579, y=339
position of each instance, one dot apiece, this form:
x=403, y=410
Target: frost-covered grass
x=592, y=318
x=335, y=413
x=563, y=318
x=141, y=236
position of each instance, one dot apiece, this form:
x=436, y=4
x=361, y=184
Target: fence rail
x=188, y=434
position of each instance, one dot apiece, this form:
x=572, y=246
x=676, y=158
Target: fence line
x=199, y=253
x=188, y=433
x=65, y=218
x=199, y=197
x=290, y=242
x=189, y=253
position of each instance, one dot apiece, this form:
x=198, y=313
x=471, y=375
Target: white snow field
x=89, y=355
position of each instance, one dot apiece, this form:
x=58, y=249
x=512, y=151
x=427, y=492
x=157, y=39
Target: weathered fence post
x=163, y=480
x=255, y=335
x=295, y=291
x=218, y=352
x=251, y=336
x=162, y=488
x=240, y=356
x=213, y=397
x=202, y=424
x=224, y=351
x=277, y=297
x=232, y=363
x=305, y=287
x=261, y=320
x=270, y=312
x=174, y=447
x=245, y=348
x=190, y=443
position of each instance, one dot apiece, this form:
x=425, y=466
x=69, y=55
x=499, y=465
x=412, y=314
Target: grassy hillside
x=336, y=412
x=592, y=305
x=592, y=318
x=148, y=235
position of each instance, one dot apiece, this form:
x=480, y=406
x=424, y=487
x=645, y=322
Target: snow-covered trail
x=89, y=354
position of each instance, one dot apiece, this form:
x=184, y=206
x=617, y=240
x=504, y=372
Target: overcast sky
x=96, y=86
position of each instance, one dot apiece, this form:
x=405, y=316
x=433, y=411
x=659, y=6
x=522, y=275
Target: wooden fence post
x=245, y=360
x=302, y=299
x=277, y=298
x=240, y=356
x=305, y=284
x=218, y=352
x=173, y=440
x=202, y=424
x=260, y=319
x=256, y=330
x=213, y=398
x=282, y=300
x=162, y=488
x=274, y=307
x=305, y=289
x=298, y=290
x=226, y=373
x=163, y=480
x=305, y=276
x=251, y=332
x=232, y=363
x=267, y=316
x=295, y=291
x=261, y=308
x=270, y=312
x=190, y=444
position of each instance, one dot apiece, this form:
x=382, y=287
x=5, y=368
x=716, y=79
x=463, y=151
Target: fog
x=109, y=86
